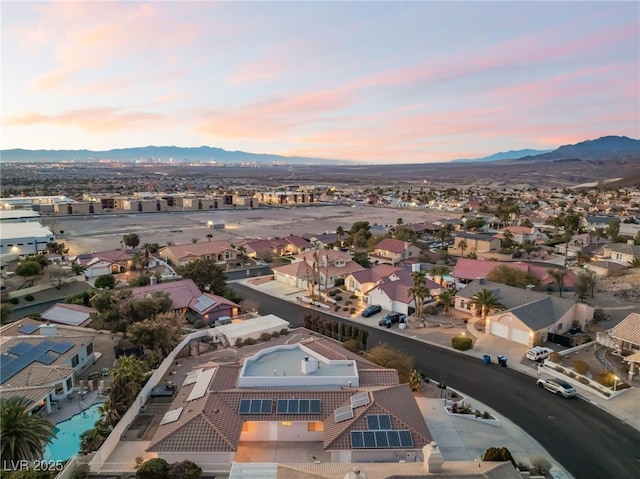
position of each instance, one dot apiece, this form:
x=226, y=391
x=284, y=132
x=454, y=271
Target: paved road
x=588, y=442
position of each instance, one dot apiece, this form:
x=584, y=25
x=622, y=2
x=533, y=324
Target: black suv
x=371, y=310
x=391, y=318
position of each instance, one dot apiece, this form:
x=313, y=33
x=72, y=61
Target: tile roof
x=628, y=329
x=467, y=268
x=395, y=290
x=541, y=313
x=39, y=375
x=181, y=292
x=377, y=272
x=624, y=248
x=393, y=245
x=295, y=270
x=186, y=250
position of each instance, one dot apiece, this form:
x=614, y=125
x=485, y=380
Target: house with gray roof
x=529, y=316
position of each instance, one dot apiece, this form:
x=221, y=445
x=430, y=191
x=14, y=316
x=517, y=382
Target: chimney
x=480, y=280
x=48, y=329
x=308, y=365
x=433, y=459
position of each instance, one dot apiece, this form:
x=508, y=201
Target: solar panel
x=357, y=442
x=406, y=440
x=343, y=413
x=27, y=328
x=60, y=348
x=20, y=348
x=255, y=406
x=192, y=376
x=266, y=406
x=369, y=439
x=293, y=406
x=303, y=406
x=283, y=406
x=385, y=421
x=372, y=422
x=245, y=406
x=46, y=358
x=202, y=384
x=171, y=416
x=381, y=439
x=314, y=406
x=394, y=438
x=360, y=399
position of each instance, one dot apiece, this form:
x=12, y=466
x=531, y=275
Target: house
x=626, y=337
x=39, y=361
x=476, y=243
x=106, y=262
x=187, y=298
x=69, y=314
x=362, y=281
x=524, y=233
x=468, y=269
x=392, y=251
x=583, y=244
x=319, y=394
x=392, y=293
x=327, y=240
x=605, y=268
x=290, y=245
x=593, y=222
x=257, y=248
x=622, y=253
x=329, y=265
x=182, y=254
x=529, y=316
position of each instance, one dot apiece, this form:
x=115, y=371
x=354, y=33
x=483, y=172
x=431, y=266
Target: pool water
x=67, y=441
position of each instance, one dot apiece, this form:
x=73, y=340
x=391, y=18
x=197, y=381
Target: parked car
x=558, y=386
x=538, y=353
x=392, y=318
x=371, y=310
x=575, y=329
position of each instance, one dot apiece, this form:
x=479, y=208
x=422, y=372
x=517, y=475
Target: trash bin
x=502, y=361
x=486, y=359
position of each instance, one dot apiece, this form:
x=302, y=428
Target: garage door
x=501, y=330
x=520, y=336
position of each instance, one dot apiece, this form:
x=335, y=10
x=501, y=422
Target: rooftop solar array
x=63, y=315
x=203, y=302
x=28, y=328
x=298, y=406
x=378, y=421
x=343, y=413
x=171, y=416
x=255, y=406
x=360, y=399
x=22, y=354
x=381, y=439
x=202, y=384
x=192, y=376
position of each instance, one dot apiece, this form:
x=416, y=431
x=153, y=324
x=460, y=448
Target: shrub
x=461, y=343
x=499, y=454
x=338, y=281
x=352, y=310
x=239, y=343
x=275, y=334
x=555, y=357
x=29, y=297
x=606, y=378
x=184, y=470
x=249, y=341
x=284, y=331
x=351, y=345
x=333, y=292
x=81, y=471
x=153, y=469
x=580, y=366
x=265, y=337
x=583, y=380
x=540, y=465
x=336, y=308
x=338, y=298
x=345, y=309
x=14, y=300
x=486, y=415
x=198, y=323
x=347, y=303
x=353, y=296
x=105, y=281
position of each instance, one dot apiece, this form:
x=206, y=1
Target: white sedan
x=558, y=386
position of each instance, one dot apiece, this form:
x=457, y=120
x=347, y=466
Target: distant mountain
x=605, y=148
x=164, y=154
x=505, y=155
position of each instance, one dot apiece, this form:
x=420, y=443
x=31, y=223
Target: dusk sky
x=383, y=82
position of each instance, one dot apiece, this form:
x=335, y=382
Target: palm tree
x=340, y=233
x=446, y=297
x=444, y=233
x=108, y=413
x=463, y=246
x=486, y=301
x=126, y=383
x=558, y=277
x=209, y=236
x=439, y=271
x=22, y=435
x=419, y=291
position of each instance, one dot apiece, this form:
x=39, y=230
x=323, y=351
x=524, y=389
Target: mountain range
x=605, y=148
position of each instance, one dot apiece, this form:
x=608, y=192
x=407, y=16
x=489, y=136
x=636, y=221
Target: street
x=587, y=441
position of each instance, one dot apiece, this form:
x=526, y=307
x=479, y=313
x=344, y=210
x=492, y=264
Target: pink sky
x=373, y=82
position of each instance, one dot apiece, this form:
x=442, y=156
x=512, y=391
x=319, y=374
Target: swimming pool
x=67, y=441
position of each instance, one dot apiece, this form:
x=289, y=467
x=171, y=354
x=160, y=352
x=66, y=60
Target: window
x=559, y=326
x=462, y=303
x=69, y=384
x=315, y=426
x=75, y=361
x=89, y=348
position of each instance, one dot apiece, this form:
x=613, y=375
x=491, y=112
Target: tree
x=446, y=298
x=558, y=275
x=92, y=439
x=507, y=239
x=388, y=357
x=613, y=230
x=340, y=233
x=439, y=271
x=444, y=233
x=510, y=276
x=77, y=268
x=184, y=470
x=209, y=236
x=156, y=468
x=108, y=413
x=585, y=282
x=485, y=301
x=126, y=382
x=131, y=239
x=105, y=281
x=463, y=246
x=415, y=380
x=23, y=435
x=399, y=221
x=160, y=334
x=362, y=258
x=207, y=275
x=419, y=291
x=28, y=268
x=406, y=234
x=57, y=274
x=58, y=248
x=5, y=313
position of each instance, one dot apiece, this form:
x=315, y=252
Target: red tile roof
x=393, y=245
x=181, y=292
